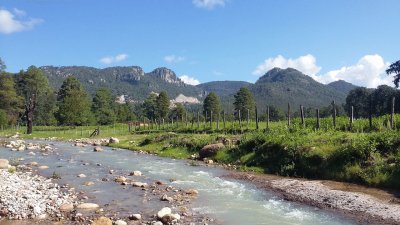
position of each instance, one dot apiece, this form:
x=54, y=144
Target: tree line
x=27, y=98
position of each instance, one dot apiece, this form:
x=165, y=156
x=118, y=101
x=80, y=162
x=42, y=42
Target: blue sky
x=207, y=40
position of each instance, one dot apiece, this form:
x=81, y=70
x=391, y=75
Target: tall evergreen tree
x=244, y=101
x=162, y=105
x=73, y=103
x=10, y=102
x=2, y=66
x=359, y=98
x=103, y=107
x=177, y=112
x=33, y=87
x=150, y=106
x=212, y=104
x=124, y=112
x=394, y=69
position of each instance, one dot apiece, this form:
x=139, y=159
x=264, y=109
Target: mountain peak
x=343, y=86
x=284, y=75
x=166, y=74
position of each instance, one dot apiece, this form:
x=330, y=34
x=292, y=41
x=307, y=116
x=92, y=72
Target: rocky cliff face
x=166, y=75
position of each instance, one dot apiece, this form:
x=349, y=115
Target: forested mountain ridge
x=130, y=81
x=277, y=87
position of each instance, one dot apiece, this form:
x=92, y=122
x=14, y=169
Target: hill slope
x=342, y=86
x=131, y=81
x=280, y=86
x=223, y=88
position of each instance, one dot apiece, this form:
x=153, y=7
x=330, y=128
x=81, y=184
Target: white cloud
x=369, y=71
x=217, y=73
x=306, y=64
x=189, y=80
x=113, y=59
x=173, y=59
x=15, y=22
x=208, y=4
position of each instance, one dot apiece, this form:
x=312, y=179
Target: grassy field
x=357, y=154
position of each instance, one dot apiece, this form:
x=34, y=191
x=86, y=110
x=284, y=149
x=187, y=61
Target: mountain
x=223, y=88
x=131, y=83
x=342, y=86
x=279, y=86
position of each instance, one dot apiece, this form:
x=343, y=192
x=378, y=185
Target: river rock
x=87, y=206
x=120, y=222
x=166, y=198
x=43, y=167
x=120, y=179
x=113, y=140
x=135, y=217
x=97, y=149
x=81, y=175
x=31, y=153
x=210, y=150
x=157, y=223
x=139, y=184
x=4, y=164
x=33, y=163
x=89, y=183
x=192, y=192
x=169, y=218
x=164, y=211
x=67, y=207
x=102, y=221
x=136, y=173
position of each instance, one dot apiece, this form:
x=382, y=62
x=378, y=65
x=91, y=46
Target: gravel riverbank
x=363, y=208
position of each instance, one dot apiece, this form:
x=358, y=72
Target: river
x=228, y=201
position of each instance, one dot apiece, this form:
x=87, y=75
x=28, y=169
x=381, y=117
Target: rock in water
x=210, y=150
x=136, y=173
x=120, y=222
x=4, y=164
x=87, y=206
x=81, y=175
x=102, y=221
x=97, y=149
x=135, y=217
x=164, y=211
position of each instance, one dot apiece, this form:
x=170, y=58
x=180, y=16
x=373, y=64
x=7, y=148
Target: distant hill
x=280, y=86
x=131, y=82
x=277, y=87
x=342, y=86
x=223, y=88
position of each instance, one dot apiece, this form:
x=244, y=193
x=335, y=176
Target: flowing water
x=231, y=202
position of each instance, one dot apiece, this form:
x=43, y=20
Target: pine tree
x=73, y=103
x=150, y=106
x=244, y=101
x=212, y=104
x=10, y=102
x=162, y=105
x=103, y=107
x=33, y=87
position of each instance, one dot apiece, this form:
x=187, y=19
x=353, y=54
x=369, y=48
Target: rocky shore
x=25, y=195
x=363, y=208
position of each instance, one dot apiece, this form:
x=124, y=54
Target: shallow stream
x=230, y=202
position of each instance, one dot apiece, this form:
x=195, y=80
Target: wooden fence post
x=205, y=120
x=334, y=113
x=318, y=120
x=198, y=120
x=288, y=115
x=303, y=122
x=392, y=113
x=240, y=120
x=211, y=113
x=351, y=117
x=256, y=111
x=267, y=116
x=370, y=112
x=248, y=118
x=224, y=120
x=218, y=115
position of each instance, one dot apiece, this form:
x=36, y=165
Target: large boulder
x=4, y=164
x=102, y=221
x=210, y=150
x=113, y=140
